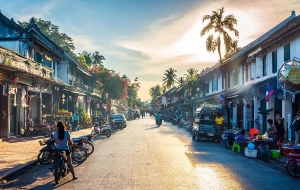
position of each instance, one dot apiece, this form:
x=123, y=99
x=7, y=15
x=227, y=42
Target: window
x=246, y=72
x=243, y=74
x=223, y=81
x=274, y=61
x=215, y=84
x=207, y=87
x=235, y=77
x=265, y=68
x=228, y=78
x=253, y=70
x=286, y=49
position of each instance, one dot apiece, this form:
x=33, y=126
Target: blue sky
x=143, y=38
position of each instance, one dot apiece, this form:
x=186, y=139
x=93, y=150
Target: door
x=3, y=116
x=13, y=115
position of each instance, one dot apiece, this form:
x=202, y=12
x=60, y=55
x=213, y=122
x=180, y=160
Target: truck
x=204, y=123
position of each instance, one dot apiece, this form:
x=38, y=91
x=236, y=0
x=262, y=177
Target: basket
x=275, y=153
x=42, y=142
x=250, y=153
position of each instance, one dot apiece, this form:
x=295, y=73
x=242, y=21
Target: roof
x=263, y=37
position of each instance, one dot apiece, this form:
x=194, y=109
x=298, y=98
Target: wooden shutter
x=259, y=66
x=253, y=70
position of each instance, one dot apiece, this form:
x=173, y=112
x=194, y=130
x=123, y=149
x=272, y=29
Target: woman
x=279, y=124
x=62, y=138
x=272, y=129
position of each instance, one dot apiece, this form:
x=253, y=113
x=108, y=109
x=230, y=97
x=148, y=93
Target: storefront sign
x=294, y=76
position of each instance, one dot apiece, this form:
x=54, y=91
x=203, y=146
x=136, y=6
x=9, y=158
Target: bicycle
x=293, y=165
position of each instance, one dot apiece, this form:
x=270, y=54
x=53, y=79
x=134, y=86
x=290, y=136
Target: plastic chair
x=236, y=145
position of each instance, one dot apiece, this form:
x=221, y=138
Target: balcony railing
x=20, y=63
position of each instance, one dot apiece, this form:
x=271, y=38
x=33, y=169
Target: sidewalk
x=19, y=153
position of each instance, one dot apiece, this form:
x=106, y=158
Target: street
x=143, y=156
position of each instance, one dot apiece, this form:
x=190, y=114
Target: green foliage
x=219, y=25
x=51, y=31
x=169, y=78
x=62, y=110
x=155, y=92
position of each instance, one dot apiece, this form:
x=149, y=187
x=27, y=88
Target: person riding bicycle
x=62, y=137
x=158, y=117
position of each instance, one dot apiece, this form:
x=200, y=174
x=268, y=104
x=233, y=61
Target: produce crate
x=250, y=153
x=275, y=153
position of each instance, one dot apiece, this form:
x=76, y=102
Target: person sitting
x=272, y=129
x=253, y=132
x=241, y=137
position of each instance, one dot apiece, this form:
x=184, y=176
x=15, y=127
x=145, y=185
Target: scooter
x=229, y=137
x=104, y=130
x=33, y=129
x=158, y=122
x=60, y=168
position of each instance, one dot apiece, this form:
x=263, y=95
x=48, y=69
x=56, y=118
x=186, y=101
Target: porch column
x=245, y=117
x=256, y=105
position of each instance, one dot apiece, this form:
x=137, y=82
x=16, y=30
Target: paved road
x=143, y=156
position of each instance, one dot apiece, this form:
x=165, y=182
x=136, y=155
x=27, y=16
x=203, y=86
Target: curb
x=16, y=171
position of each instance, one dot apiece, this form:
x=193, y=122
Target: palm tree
x=219, y=24
x=180, y=80
x=191, y=73
x=169, y=78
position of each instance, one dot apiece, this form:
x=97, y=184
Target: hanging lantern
x=15, y=79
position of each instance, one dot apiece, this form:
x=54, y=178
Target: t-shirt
x=253, y=132
x=62, y=144
x=76, y=117
x=219, y=120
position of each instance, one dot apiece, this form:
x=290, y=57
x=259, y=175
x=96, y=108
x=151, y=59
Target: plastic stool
x=235, y=145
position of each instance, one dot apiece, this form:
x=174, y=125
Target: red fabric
x=253, y=132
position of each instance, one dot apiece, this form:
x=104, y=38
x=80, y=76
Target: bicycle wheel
x=293, y=169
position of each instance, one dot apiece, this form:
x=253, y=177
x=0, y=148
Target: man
x=76, y=121
x=279, y=124
x=142, y=113
x=219, y=122
x=241, y=137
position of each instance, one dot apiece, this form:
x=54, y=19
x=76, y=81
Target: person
x=272, y=131
x=219, y=122
x=76, y=121
x=279, y=124
x=296, y=127
x=142, y=113
x=241, y=137
x=158, y=117
x=61, y=138
x=253, y=132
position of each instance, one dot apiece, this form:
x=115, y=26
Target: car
x=119, y=120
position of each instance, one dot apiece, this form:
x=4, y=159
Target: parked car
x=119, y=120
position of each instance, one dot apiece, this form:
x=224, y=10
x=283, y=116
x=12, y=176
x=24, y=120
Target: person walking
x=76, y=121
x=61, y=138
x=279, y=124
x=296, y=127
x=142, y=113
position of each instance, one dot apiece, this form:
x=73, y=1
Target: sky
x=143, y=38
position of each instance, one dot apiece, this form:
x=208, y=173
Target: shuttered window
x=246, y=73
x=253, y=70
x=243, y=74
x=215, y=84
x=207, y=87
x=228, y=78
x=265, y=68
x=259, y=67
x=223, y=81
x=286, y=52
x=274, y=61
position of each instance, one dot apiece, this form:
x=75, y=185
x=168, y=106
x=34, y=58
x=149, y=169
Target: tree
x=97, y=58
x=191, y=72
x=169, y=78
x=155, y=92
x=233, y=48
x=51, y=31
x=220, y=26
x=180, y=80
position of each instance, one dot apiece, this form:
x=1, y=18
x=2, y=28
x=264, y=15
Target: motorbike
x=229, y=137
x=78, y=153
x=104, y=130
x=34, y=129
x=189, y=127
x=158, y=122
x=85, y=143
x=60, y=168
x=46, y=153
